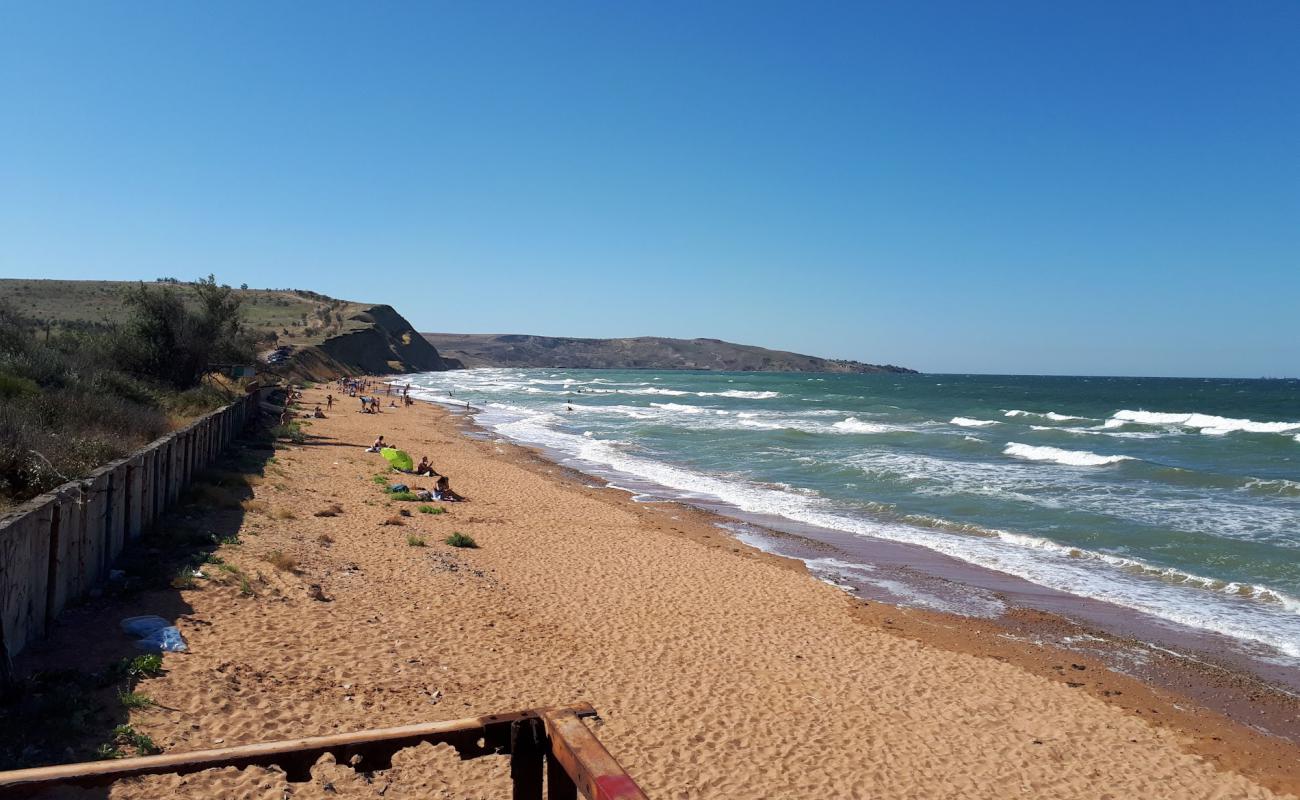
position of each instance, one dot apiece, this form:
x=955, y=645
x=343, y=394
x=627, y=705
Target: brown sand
x=718, y=671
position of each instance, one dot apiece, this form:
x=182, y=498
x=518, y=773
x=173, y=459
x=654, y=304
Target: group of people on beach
x=442, y=490
x=358, y=388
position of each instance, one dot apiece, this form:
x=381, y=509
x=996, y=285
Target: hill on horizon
x=639, y=352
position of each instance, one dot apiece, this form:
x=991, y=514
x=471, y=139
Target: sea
x=1174, y=499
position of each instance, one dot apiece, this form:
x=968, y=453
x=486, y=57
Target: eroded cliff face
x=385, y=344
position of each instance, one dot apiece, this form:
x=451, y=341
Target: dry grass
x=333, y=510
x=255, y=506
x=393, y=520
x=283, y=513
x=325, y=539
x=281, y=561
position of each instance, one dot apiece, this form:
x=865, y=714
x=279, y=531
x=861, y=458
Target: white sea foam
x=967, y=422
x=1055, y=455
x=655, y=390
x=679, y=408
x=855, y=425
x=1052, y=415
x=1230, y=517
x=1249, y=612
x=1266, y=616
x=741, y=394
x=1205, y=423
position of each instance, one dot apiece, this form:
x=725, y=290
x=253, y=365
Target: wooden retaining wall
x=57, y=547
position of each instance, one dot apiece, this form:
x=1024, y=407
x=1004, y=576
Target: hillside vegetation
x=296, y=317
x=76, y=393
x=642, y=352
x=92, y=370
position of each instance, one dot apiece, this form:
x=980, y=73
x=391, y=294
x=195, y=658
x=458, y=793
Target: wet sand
x=718, y=670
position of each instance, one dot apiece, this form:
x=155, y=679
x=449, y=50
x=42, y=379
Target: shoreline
x=1162, y=686
x=1174, y=656
x=718, y=669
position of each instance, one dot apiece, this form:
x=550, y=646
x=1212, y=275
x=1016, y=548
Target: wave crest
x=967, y=422
x=1206, y=423
x=1056, y=455
x=855, y=425
x=1052, y=415
x=742, y=394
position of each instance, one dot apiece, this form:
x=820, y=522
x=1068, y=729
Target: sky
x=1007, y=187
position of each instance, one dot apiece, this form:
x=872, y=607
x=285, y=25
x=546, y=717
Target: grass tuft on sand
x=458, y=539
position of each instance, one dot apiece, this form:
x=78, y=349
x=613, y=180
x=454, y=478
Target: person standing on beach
x=329, y=402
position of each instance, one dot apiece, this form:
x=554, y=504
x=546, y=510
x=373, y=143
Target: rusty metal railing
x=553, y=742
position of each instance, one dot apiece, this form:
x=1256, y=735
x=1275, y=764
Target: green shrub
x=416, y=541
x=292, y=431
x=134, y=377
x=143, y=744
x=432, y=510
x=403, y=496
x=184, y=579
x=13, y=386
x=135, y=699
x=458, y=539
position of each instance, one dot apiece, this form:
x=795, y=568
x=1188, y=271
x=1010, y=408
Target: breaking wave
x=742, y=394
x=855, y=425
x=967, y=422
x=1052, y=415
x=1205, y=423
x=1056, y=455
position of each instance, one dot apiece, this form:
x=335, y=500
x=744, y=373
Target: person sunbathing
x=442, y=491
x=318, y=414
x=425, y=468
x=379, y=444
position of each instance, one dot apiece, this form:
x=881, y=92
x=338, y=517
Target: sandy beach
x=718, y=670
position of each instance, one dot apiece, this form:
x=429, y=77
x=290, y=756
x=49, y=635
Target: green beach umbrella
x=398, y=459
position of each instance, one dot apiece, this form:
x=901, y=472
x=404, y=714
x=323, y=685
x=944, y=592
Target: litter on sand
x=155, y=634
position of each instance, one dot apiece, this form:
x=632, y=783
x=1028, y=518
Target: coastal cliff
x=642, y=352
x=378, y=341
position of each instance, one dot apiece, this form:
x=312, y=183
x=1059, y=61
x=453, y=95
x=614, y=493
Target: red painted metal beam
x=595, y=772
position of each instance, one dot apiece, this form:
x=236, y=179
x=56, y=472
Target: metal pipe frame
x=554, y=738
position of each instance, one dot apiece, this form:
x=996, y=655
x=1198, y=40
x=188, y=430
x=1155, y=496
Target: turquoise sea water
x=1175, y=497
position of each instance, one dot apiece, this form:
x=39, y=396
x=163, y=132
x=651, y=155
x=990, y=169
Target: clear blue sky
x=989, y=187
